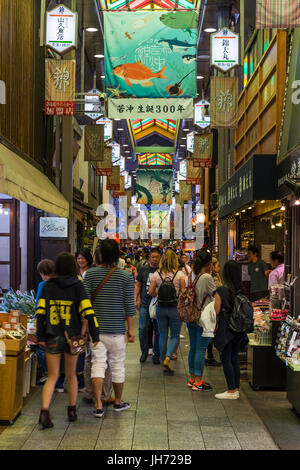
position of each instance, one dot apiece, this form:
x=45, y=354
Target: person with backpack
x=235, y=319
x=198, y=294
x=165, y=284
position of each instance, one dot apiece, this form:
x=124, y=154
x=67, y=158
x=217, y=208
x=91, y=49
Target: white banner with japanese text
x=144, y=108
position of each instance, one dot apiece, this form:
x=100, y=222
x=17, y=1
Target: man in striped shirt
x=113, y=306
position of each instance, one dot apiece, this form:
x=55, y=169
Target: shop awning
x=255, y=180
x=26, y=183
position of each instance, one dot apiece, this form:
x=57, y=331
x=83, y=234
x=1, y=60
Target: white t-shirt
x=156, y=277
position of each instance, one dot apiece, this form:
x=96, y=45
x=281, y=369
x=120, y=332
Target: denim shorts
x=56, y=345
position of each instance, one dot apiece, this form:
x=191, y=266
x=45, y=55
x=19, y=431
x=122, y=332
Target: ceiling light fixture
x=199, y=77
x=91, y=30
x=249, y=208
x=282, y=208
x=185, y=129
x=120, y=129
x=99, y=56
x=210, y=30
x=263, y=201
x=297, y=203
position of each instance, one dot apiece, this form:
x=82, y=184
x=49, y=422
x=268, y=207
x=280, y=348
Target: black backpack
x=241, y=319
x=167, y=296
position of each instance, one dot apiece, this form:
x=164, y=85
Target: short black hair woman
x=84, y=260
x=226, y=341
x=63, y=308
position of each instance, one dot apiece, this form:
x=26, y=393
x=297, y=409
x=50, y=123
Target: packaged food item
x=13, y=320
x=6, y=326
x=14, y=313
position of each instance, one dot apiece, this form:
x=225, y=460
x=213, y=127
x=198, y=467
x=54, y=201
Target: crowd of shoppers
x=94, y=299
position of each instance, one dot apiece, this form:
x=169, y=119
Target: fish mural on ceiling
x=147, y=58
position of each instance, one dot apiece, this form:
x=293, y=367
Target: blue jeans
x=198, y=346
x=230, y=361
x=167, y=317
x=144, y=325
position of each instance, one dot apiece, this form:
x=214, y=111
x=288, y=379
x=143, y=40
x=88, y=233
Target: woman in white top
x=167, y=316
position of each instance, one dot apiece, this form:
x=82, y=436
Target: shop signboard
x=224, y=50
x=53, y=227
x=147, y=108
x=60, y=87
x=202, y=114
x=94, y=143
x=203, y=150
x=224, y=101
x=193, y=173
x=190, y=142
x=108, y=127
x=249, y=183
x=93, y=107
x=61, y=29
x=288, y=169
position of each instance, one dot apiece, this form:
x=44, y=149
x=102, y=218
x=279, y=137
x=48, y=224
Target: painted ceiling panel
x=155, y=159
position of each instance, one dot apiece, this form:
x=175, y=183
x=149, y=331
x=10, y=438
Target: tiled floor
x=165, y=414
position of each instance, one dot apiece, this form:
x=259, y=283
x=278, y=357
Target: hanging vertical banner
x=225, y=50
x=190, y=142
x=151, y=54
x=202, y=114
x=203, y=150
x=128, y=194
x=224, y=101
x=61, y=29
x=113, y=181
x=154, y=186
x=193, y=173
x=60, y=87
x=94, y=143
x=104, y=168
x=185, y=192
x=277, y=14
x=108, y=127
x=93, y=107
x=121, y=191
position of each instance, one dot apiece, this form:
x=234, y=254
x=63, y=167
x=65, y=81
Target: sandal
x=174, y=357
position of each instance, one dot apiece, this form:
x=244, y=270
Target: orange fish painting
x=137, y=73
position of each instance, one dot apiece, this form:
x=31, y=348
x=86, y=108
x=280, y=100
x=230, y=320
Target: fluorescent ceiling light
x=102, y=76
x=203, y=56
x=91, y=30
x=210, y=30
x=99, y=56
x=183, y=138
x=185, y=130
x=199, y=77
x=120, y=129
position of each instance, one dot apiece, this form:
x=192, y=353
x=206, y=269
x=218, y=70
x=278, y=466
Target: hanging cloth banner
x=60, y=87
x=185, y=191
x=154, y=186
x=277, y=14
x=104, y=168
x=128, y=194
x=151, y=54
x=177, y=108
x=224, y=101
x=120, y=192
x=113, y=181
x=203, y=150
x=94, y=143
x=193, y=173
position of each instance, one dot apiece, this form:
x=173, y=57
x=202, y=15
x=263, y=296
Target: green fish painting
x=184, y=20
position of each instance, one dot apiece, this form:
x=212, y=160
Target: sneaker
x=202, y=386
x=227, y=396
x=190, y=383
x=98, y=413
x=60, y=390
x=155, y=360
x=122, y=407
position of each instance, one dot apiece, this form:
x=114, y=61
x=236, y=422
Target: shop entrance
x=9, y=243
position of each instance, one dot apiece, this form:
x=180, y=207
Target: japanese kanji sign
x=202, y=114
x=113, y=181
x=224, y=49
x=185, y=191
x=190, y=141
x=151, y=54
x=60, y=87
x=61, y=29
x=224, y=96
x=193, y=173
x=154, y=186
x=177, y=108
x=94, y=109
x=94, y=143
x=203, y=150
x=108, y=127
x=279, y=14
x=104, y=168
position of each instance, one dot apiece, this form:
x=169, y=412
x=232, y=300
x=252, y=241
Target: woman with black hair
x=226, y=341
x=84, y=260
x=62, y=311
x=204, y=289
